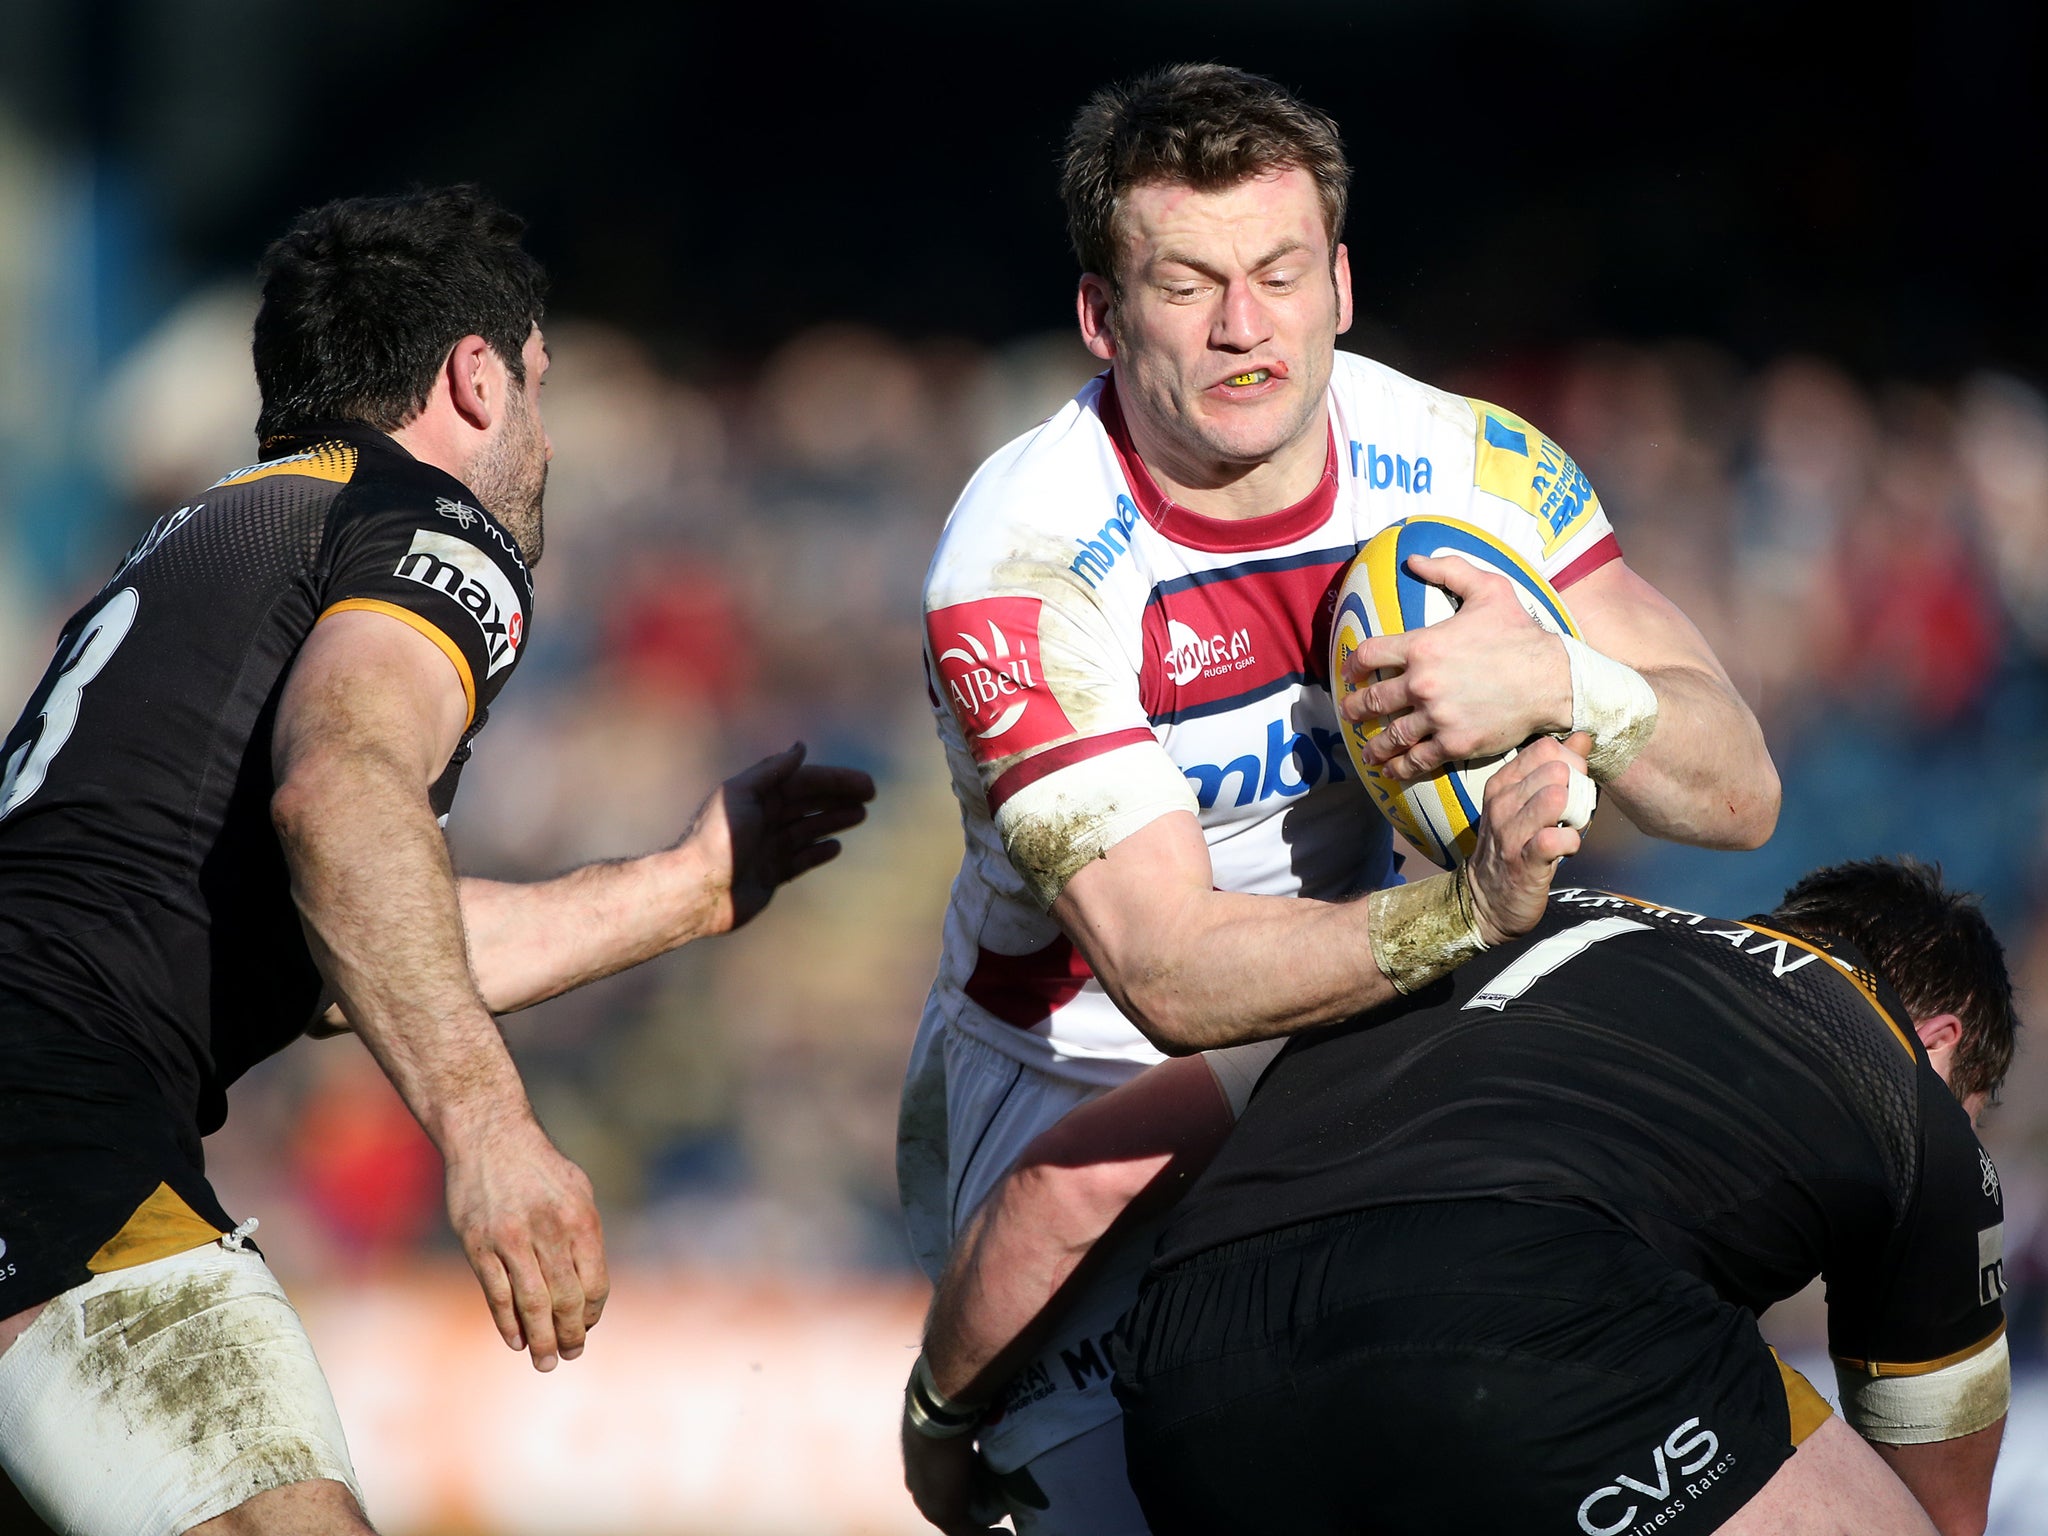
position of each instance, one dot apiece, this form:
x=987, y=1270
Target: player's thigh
x=1834, y=1485
x=158, y=1397
x=997, y=1106
x=1076, y=1489
x=968, y=1112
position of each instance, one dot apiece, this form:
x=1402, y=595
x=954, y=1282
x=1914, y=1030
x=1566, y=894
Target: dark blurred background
x=1774, y=273
x=1774, y=176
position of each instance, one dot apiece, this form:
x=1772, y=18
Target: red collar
x=1217, y=535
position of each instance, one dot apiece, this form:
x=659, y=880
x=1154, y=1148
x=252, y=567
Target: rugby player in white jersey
x=1127, y=624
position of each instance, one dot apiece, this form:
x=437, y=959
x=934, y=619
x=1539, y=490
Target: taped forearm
x=1614, y=704
x=1423, y=930
x=1704, y=775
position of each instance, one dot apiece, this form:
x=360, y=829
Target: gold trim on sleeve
x=1922, y=1367
x=412, y=620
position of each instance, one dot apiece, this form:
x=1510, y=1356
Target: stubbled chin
x=1250, y=440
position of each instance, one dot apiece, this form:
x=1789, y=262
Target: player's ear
x=1340, y=273
x=1939, y=1032
x=472, y=390
x=1095, y=307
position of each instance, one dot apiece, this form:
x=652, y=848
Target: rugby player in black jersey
x=218, y=826
x=1491, y=1257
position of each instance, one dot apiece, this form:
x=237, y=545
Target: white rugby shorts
x=151, y=1399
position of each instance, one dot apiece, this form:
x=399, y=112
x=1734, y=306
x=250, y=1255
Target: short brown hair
x=363, y=297
x=1932, y=944
x=1206, y=126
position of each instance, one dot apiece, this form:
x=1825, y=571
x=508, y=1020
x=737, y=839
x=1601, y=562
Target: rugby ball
x=1440, y=815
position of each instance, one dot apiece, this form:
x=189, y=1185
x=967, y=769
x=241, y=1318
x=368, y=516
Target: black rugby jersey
x=1756, y=1108
x=144, y=899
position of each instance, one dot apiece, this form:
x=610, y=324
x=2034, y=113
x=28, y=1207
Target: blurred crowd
x=733, y=562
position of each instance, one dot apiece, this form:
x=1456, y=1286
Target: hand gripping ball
x=1439, y=815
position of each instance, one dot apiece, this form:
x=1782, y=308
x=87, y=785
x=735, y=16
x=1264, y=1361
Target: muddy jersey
x=1754, y=1106
x=1099, y=656
x=144, y=899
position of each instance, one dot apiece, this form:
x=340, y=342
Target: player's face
x=510, y=475
x=1226, y=325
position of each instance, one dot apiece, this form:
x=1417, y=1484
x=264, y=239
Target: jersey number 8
x=89, y=654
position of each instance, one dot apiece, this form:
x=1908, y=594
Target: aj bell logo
x=1690, y=1449
x=988, y=675
x=473, y=579
x=986, y=655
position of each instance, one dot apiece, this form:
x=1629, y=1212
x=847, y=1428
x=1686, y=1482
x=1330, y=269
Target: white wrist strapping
x=1614, y=704
x=1423, y=930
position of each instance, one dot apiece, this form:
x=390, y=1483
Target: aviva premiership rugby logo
x=1515, y=462
x=987, y=657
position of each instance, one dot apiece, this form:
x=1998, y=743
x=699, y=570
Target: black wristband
x=930, y=1414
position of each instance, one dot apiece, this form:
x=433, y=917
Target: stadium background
x=1772, y=272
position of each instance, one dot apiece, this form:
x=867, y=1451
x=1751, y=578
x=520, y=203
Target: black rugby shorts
x=1477, y=1365
x=96, y=1170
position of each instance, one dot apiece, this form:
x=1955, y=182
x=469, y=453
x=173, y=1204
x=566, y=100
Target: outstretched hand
x=768, y=824
x=1520, y=842
x=1485, y=679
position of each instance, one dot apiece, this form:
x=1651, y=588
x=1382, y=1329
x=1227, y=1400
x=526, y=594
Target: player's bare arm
x=1196, y=968
x=760, y=829
x=370, y=715
x=1488, y=678
x=1110, y=1163
x=1950, y=1478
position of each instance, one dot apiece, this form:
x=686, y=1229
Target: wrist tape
x=1423, y=930
x=1612, y=703
x=931, y=1414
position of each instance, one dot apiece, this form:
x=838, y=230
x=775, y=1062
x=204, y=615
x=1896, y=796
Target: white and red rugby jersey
x=1100, y=656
